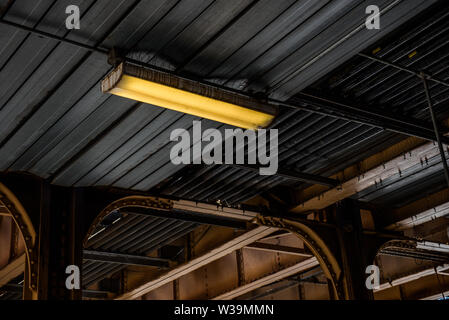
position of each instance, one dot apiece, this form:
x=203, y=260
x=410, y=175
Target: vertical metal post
x=240, y=267
x=176, y=289
x=353, y=250
x=435, y=127
x=60, y=241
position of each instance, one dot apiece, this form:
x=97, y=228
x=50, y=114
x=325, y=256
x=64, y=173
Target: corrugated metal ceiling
x=55, y=123
x=324, y=145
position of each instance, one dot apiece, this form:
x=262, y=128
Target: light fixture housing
x=184, y=95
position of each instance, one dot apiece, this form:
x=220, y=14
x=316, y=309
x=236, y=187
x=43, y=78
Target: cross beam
x=365, y=115
x=123, y=258
x=278, y=248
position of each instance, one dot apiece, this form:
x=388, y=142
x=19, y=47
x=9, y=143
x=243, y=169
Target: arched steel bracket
x=129, y=202
x=315, y=243
x=23, y=222
x=411, y=244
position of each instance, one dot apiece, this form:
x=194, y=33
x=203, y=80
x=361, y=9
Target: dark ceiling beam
x=416, y=254
x=432, y=251
x=11, y=287
x=18, y=288
x=95, y=294
x=313, y=102
x=297, y=176
x=123, y=258
x=53, y=37
x=181, y=215
x=405, y=69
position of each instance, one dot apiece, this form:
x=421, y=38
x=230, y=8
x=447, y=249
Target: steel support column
x=353, y=250
x=60, y=241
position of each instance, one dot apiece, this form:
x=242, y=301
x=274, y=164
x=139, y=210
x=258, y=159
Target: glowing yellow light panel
x=162, y=90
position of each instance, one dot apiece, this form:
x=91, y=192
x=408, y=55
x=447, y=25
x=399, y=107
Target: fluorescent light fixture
x=171, y=92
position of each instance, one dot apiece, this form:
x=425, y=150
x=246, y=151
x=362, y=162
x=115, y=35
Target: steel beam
x=374, y=117
x=244, y=214
x=424, y=250
x=291, y=282
x=437, y=296
x=212, y=255
x=183, y=215
x=18, y=288
x=287, y=272
x=278, y=234
x=424, y=210
x=12, y=270
x=411, y=277
x=435, y=128
x=405, y=69
x=390, y=162
x=60, y=240
x=296, y=176
x=4, y=211
x=416, y=254
x=10, y=287
x=278, y=248
x=355, y=251
x=127, y=259
x=95, y=294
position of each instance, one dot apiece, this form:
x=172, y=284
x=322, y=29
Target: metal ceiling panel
x=337, y=44
x=55, y=123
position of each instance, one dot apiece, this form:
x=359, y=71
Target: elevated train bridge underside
x=87, y=180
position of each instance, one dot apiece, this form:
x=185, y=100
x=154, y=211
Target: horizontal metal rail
x=123, y=258
x=405, y=69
